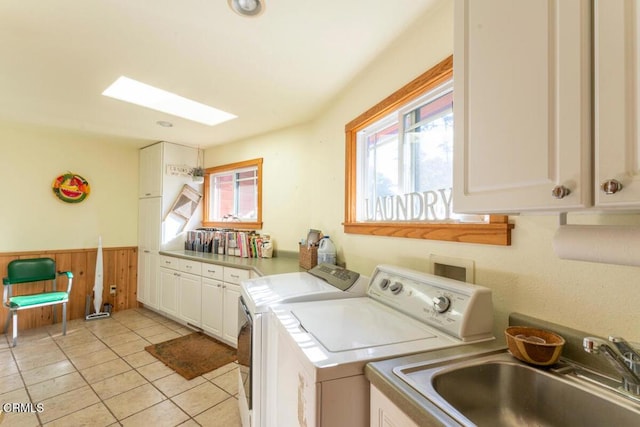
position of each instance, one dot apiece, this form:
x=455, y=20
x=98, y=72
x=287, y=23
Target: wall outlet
x=112, y=289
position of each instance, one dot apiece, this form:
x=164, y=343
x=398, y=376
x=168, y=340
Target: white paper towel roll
x=608, y=244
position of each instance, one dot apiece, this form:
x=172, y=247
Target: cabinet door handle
x=235, y=276
x=560, y=192
x=611, y=186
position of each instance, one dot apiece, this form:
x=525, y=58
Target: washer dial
x=441, y=304
x=396, y=288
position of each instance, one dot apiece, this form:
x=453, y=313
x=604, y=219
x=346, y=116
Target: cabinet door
x=190, y=298
x=168, y=282
x=149, y=223
x=212, y=306
x=522, y=106
x=384, y=413
x=147, y=292
x=150, y=170
x=617, y=98
x=231, y=295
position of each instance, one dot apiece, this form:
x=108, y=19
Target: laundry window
x=406, y=166
x=399, y=177
x=233, y=195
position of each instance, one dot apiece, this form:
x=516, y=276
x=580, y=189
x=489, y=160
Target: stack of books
x=245, y=244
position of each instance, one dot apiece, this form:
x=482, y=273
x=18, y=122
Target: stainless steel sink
x=497, y=390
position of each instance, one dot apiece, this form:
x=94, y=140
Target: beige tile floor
x=100, y=375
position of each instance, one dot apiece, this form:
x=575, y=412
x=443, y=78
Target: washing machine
x=256, y=355
x=323, y=346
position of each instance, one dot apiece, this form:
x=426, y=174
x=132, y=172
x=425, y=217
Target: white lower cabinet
x=384, y=413
x=168, y=280
x=201, y=294
x=211, y=306
x=230, y=296
x=148, y=262
x=190, y=298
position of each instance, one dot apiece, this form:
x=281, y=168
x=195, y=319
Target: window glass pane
x=379, y=164
x=222, y=200
x=429, y=151
x=234, y=195
x=382, y=161
x=247, y=196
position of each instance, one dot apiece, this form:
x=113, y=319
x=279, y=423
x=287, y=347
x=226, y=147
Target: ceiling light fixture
x=129, y=90
x=247, y=7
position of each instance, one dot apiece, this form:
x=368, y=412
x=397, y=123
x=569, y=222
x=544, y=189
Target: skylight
x=129, y=90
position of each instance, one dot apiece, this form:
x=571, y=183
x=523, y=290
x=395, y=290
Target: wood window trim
x=253, y=225
x=496, y=232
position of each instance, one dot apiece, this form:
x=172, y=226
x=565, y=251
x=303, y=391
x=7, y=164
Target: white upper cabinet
x=150, y=164
x=522, y=105
x=617, y=98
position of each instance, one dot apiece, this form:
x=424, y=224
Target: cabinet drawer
x=188, y=266
x=168, y=262
x=235, y=275
x=212, y=271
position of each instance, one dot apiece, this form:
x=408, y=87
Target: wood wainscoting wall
x=120, y=269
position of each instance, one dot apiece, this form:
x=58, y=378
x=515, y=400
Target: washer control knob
x=441, y=304
x=384, y=284
x=396, y=288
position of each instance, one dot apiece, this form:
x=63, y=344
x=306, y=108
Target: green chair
x=34, y=270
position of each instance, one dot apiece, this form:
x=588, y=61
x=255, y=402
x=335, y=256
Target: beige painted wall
x=33, y=218
x=304, y=187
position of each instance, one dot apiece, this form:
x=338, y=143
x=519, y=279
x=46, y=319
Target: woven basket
x=308, y=257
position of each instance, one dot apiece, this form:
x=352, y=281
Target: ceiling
x=273, y=71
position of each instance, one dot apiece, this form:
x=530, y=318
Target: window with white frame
x=405, y=165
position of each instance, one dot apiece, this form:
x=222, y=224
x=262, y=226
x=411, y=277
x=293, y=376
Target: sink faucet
x=620, y=355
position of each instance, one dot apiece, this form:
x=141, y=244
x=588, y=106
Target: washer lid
x=350, y=324
x=264, y=291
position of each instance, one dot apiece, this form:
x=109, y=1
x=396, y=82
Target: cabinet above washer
x=529, y=77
